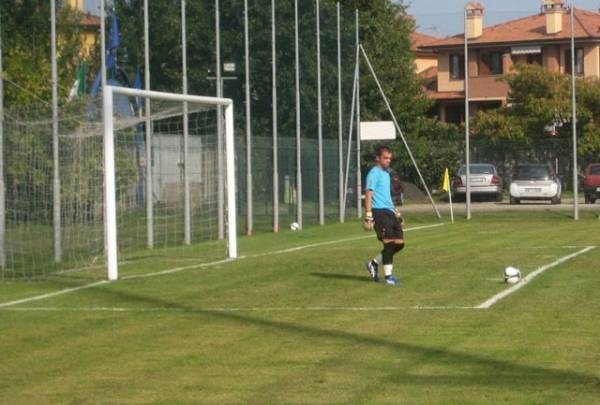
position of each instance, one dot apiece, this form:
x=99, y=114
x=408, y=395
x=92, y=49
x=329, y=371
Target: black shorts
x=387, y=225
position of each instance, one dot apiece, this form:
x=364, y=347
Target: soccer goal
x=169, y=180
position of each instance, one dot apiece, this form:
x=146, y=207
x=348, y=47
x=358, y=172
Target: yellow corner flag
x=446, y=185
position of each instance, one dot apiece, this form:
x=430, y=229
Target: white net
x=31, y=248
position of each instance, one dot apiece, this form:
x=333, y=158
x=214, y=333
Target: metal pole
x=230, y=172
x=55, y=151
x=298, y=120
x=574, y=114
x=320, y=121
x=467, y=119
x=2, y=186
x=102, y=46
x=275, y=145
x=249, y=180
x=220, y=168
x=389, y=107
x=350, y=129
x=149, y=185
x=340, y=118
x=110, y=203
x=187, y=203
x=358, y=151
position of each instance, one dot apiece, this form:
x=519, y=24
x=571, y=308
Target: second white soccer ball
x=512, y=275
x=295, y=226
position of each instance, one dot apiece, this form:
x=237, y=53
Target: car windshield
x=532, y=173
x=477, y=169
x=595, y=170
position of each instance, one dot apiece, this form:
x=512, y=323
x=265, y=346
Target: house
x=90, y=28
x=542, y=39
x=425, y=59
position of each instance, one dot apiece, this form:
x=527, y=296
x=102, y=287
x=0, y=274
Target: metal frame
x=109, y=166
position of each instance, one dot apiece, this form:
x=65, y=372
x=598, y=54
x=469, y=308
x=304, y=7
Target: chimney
x=474, y=20
x=554, y=10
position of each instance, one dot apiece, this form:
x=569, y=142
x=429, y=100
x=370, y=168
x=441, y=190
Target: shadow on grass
x=346, y=277
x=483, y=370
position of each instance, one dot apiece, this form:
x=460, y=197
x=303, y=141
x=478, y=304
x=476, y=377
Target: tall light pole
x=2, y=196
x=56, y=209
x=574, y=116
x=249, y=180
x=467, y=156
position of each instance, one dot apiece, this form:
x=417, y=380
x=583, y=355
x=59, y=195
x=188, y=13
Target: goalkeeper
x=382, y=215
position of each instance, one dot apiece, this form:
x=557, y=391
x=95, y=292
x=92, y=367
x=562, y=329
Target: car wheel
x=514, y=201
x=499, y=197
x=592, y=200
x=555, y=200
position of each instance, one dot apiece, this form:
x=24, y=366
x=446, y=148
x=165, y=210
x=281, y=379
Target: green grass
x=283, y=327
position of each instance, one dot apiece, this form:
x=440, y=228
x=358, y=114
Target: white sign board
x=377, y=130
x=229, y=67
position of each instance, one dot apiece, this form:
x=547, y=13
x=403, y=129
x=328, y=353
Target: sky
x=445, y=17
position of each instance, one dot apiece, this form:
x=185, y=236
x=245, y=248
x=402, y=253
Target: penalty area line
x=7, y=304
x=238, y=309
x=527, y=279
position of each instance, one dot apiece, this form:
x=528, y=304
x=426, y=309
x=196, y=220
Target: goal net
x=145, y=182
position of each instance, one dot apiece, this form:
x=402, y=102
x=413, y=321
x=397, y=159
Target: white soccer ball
x=295, y=226
x=512, y=275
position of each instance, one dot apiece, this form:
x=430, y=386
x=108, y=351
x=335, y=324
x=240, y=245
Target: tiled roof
x=529, y=29
x=418, y=39
x=88, y=20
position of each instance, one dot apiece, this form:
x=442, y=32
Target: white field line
x=493, y=300
x=233, y=309
x=197, y=266
x=50, y=295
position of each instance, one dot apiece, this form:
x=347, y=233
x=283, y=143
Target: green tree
x=27, y=50
x=536, y=124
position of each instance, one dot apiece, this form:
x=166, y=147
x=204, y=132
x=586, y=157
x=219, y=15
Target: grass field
x=297, y=320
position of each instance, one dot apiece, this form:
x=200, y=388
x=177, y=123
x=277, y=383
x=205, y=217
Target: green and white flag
x=78, y=88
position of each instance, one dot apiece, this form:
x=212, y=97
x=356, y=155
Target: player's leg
x=393, y=243
x=373, y=266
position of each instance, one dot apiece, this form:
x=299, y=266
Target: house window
x=535, y=59
x=578, y=61
x=457, y=66
x=490, y=63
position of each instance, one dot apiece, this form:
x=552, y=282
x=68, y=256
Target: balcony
x=487, y=87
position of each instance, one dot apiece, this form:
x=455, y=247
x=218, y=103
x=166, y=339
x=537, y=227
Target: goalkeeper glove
x=369, y=222
x=399, y=216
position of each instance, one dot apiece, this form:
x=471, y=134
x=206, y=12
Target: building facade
x=543, y=39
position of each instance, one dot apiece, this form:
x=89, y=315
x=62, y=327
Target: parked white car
x=485, y=182
x=535, y=182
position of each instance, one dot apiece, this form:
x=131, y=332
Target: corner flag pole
x=446, y=187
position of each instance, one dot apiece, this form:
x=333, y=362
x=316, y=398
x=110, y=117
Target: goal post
x=110, y=173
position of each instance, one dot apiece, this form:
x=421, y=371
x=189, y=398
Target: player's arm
x=368, y=222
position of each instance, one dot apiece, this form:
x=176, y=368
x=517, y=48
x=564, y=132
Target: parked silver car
x=485, y=182
x=535, y=182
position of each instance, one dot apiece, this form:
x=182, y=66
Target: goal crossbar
x=110, y=201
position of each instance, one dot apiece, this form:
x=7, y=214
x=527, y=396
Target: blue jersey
x=379, y=182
